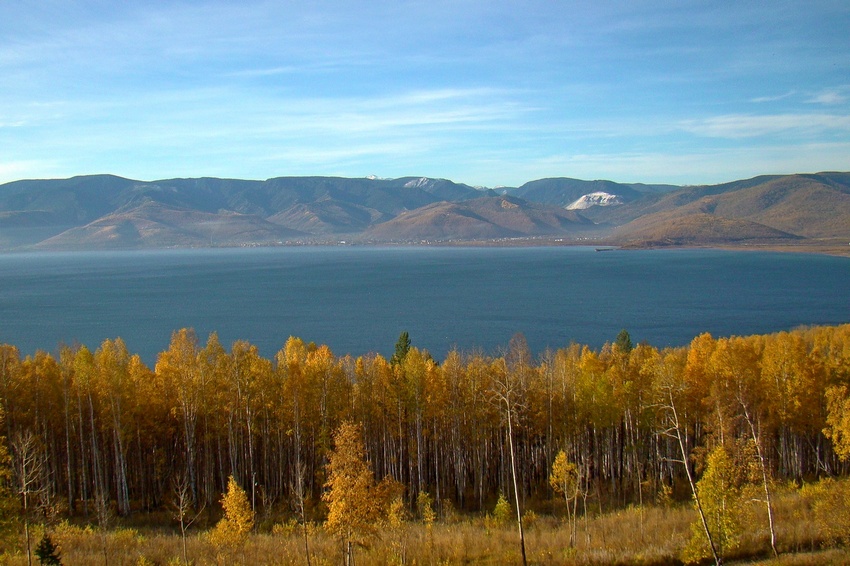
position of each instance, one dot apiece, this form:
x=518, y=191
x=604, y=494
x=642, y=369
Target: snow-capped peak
x=599, y=198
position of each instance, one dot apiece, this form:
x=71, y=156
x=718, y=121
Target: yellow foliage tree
x=424, y=504
x=719, y=491
x=8, y=502
x=180, y=368
x=353, y=506
x=838, y=420
x=564, y=479
x=502, y=511
x=232, y=530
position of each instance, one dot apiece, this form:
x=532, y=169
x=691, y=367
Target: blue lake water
x=358, y=299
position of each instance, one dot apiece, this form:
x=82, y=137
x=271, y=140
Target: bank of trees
x=105, y=434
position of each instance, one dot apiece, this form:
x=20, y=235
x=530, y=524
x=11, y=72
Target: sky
x=488, y=93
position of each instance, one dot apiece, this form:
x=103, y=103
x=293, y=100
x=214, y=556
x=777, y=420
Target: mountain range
x=109, y=212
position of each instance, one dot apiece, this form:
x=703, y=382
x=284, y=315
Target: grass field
x=649, y=535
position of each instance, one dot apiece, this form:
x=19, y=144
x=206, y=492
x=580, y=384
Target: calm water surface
x=358, y=300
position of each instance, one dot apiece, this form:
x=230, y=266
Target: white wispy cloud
x=830, y=96
x=738, y=126
x=443, y=109
x=774, y=98
x=476, y=86
x=673, y=167
x=264, y=72
x=14, y=123
x=247, y=127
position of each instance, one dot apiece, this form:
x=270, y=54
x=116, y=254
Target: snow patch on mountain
x=420, y=182
x=599, y=198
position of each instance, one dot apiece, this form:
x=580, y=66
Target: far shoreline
x=832, y=247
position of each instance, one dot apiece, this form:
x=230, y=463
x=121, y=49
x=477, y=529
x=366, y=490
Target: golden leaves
x=238, y=521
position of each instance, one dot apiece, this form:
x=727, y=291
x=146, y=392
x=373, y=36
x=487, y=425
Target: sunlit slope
x=767, y=208
x=482, y=218
x=105, y=211
x=155, y=225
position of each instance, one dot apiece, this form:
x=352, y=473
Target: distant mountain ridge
x=486, y=217
x=803, y=206
x=110, y=212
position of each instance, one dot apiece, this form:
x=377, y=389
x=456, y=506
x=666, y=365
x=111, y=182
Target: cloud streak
x=775, y=98
x=830, y=97
x=467, y=89
x=740, y=126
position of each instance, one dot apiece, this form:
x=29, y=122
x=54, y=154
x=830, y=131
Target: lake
x=358, y=299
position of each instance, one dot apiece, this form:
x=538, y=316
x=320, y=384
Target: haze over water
x=357, y=299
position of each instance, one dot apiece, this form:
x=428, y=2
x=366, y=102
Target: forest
x=739, y=443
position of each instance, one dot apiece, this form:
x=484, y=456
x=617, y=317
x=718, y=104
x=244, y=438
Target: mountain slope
x=105, y=211
x=87, y=211
x=481, y=218
x=563, y=191
x=328, y=217
x=74, y=201
x=811, y=206
x=153, y=225
x=698, y=228
x=22, y=227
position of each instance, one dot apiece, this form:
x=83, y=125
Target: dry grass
x=648, y=536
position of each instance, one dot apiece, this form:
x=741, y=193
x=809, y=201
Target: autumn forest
x=723, y=431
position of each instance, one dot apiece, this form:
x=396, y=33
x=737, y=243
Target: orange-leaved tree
x=565, y=480
x=838, y=420
x=352, y=498
x=232, y=531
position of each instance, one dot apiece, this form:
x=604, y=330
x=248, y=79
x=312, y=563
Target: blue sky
x=481, y=92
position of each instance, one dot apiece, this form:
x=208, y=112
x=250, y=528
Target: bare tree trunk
x=300, y=470
x=574, y=526
x=516, y=488
x=28, y=466
x=123, y=494
x=27, y=531
x=84, y=495
x=103, y=517
x=508, y=394
x=767, y=497
x=183, y=502
x=66, y=397
x=677, y=429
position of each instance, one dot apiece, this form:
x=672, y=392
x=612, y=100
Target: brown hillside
x=814, y=206
x=327, y=217
x=104, y=211
x=440, y=221
x=799, y=204
x=672, y=228
x=486, y=217
x=154, y=225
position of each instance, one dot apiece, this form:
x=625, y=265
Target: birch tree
x=509, y=394
x=670, y=390
x=232, y=531
x=352, y=509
